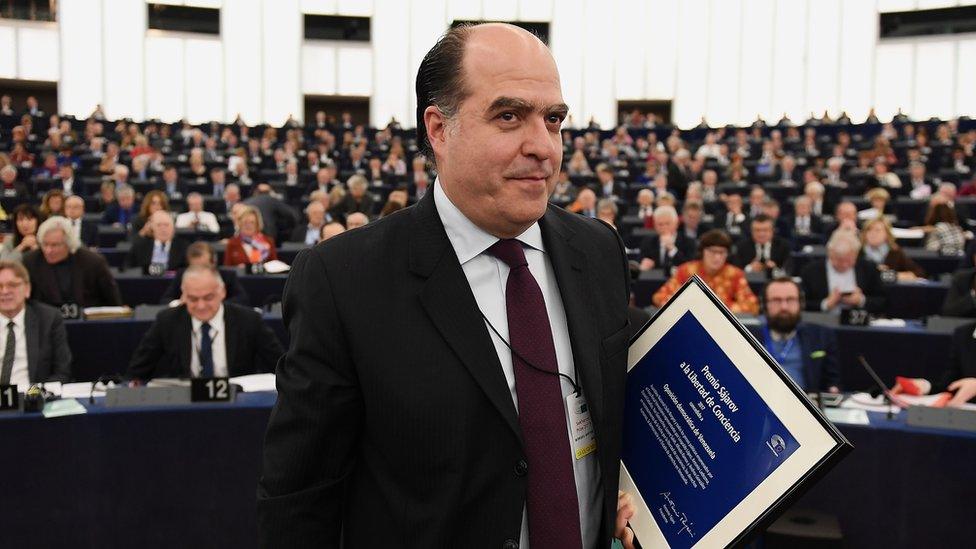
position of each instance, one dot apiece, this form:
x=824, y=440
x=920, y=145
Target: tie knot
x=10, y=325
x=510, y=251
x=205, y=328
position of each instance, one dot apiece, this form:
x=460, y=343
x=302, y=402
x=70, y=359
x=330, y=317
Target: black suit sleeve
x=267, y=348
x=874, y=293
x=60, y=352
x=960, y=301
x=314, y=429
x=961, y=337
x=146, y=357
x=108, y=290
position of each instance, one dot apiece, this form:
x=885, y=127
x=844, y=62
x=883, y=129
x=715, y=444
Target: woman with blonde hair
x=879, y=247
x=152, y=202
x=249, y=246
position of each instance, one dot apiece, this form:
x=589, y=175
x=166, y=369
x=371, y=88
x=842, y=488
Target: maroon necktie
x=552, y=504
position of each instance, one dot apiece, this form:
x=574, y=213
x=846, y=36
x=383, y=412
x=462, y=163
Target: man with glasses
x=807, y=352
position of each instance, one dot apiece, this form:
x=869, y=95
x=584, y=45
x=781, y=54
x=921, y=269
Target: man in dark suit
x=357, y=199
x=606, y=187
x=276, y=215
x=428, y=413
x=200, y=253
x=123, y=211
x=86, y=231
x=162, y=252
x=961, y=298
x=734, y=220
x=762, y=250
x=205, y=337
x=44, y=355
x=666, y=248
x=844, y=280
x=804, y=222
x=692, y=226
x=309, y=233
x=807, y=352
x=65, y=273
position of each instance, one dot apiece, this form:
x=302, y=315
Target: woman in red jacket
x=249, y=245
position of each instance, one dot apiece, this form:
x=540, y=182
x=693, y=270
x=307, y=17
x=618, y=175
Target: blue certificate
x=716, y=436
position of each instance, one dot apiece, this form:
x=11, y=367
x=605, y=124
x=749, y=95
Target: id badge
x=581, y=433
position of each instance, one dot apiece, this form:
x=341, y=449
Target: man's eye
x=555, y=119
x=507, y=116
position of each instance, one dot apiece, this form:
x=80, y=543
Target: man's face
x=195, y=203
x=691, y=217
x=316, y=214
x=232, y=195
x=802, y=208
x=846, y=211
x=734, y=203
x=756, y=197
x=842, y=261
x=666, y=225
x=13, y=292
x=203, y=296
x=162, y=225
x=169, y=176
x=54, y=246
x=499, y=157
x=762, y=232
x=126, y=200
x=782, y=306
x=74, y=207
x=356, y=220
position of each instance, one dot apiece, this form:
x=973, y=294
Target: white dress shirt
x=19, y=374
x=487, y=277
x=206, y=221
x=76, y=227
x=217, y=346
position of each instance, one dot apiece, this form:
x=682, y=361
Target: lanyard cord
x=576, y=387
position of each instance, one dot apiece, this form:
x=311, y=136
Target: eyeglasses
x=11, y=285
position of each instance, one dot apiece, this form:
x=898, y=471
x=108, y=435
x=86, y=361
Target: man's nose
x=537, y=141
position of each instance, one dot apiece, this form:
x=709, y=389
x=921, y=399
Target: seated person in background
x=878, y=198
x=152, y=202
x=805, y=222
x=645, y=208
x=249, y=245
x=762, y=251
x=960, y=376
x=331, y=229
x=879, y=247
x=807, y=352
x=733, y=220
x=397, y=200
x=843, y=280
x=161, y=252
x=122, y=212
x=170, y=185
x=11, y=187
x=201, y=254
x=564, y=192
x=204, y=336
x=356, y=200
x=317, y=218
x=74, y=211
x=63, y=272
x=24, y=237
x=961, y=298
x=845, y=217
x=356, y=220
x=726, y=280
x=585, y=203
x=692, y=226
x=606, y=211
x=944, y=233
x=39, y=351
x=52, y=203
x=195, y=218
x=666, y=248
x=919, y=185
x=106, y=196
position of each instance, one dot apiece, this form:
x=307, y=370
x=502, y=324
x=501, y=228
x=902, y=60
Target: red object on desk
x=943, y=399
x=908, y=386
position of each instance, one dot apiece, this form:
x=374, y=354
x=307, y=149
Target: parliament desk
x=905, y=299
x=185, y=476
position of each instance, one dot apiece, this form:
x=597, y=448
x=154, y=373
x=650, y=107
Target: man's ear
x=436, y=124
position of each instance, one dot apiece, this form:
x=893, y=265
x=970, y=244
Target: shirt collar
x=468, y=239
x=216, y=323
x=18, y=319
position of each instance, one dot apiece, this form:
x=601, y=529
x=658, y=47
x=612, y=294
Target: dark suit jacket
x=235, y=291
x=277, y=215
x=92, y=281
x=962, y=358
x=113, y=211
x=89, y=233
x=48, y=355
x=140, y=255
x=650, y=246
x=349, y=205
x=960, y=301
x=404, y=419
x=815, y=288
x=166, y=349
x=779, y=250
x=299, y=232
x=820, y=372
x=816, y=226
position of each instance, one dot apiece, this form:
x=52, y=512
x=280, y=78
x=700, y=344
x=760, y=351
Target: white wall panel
x=499, y=10
x=125, y=62
x=319, y=68
x=789, y=46
x=895, y=5
x=8, y=51
x=859, y=31
x=355, y=70
x=322, y=7
x=631, y=50
x=242, y=34
x=282, y=31
x=567, y=49
x=37, y=53
x=165, y=78
x=427, y=23
x=893, y=73
x=725, y=26
x=358, y=8
x=535, y=10
x=457, y=10
x=80, y=87
x=935, y=86
x=756, y=69
x=690, y=98
x=599, y=101
x=204, y=80
x=966, y=78
x=392, y=80
x=662, y=49
x=823, y=56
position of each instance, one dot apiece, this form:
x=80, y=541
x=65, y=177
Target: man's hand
x=833, y=299
x=756, y=266
x=667, y=240
x=854, y=299
x=646, y=264
x=625, y=511
x=965, y=389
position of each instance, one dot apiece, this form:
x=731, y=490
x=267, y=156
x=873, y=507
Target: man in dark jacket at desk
x=844, y=280
x=276, y=215
x=961, y=299
x=204, y=336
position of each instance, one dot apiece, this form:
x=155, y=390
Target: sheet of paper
x=80, y=389
x=53, y=387
x=864, y=401
x=849, y=416
x=907, y=233
x=63, y=407
x=255, y=382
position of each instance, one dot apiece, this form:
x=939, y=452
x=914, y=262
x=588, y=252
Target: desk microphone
x=103, y=379
x=877, y=380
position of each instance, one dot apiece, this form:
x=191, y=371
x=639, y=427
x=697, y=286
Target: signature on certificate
x=679, y=518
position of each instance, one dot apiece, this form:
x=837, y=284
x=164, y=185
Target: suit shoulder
x=241, y=313
x=43, y=311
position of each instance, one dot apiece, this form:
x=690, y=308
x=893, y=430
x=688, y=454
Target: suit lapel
x=184, y=343
x=230, y=340
x=449, y=302
x=31, y=330
x=570, y=267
